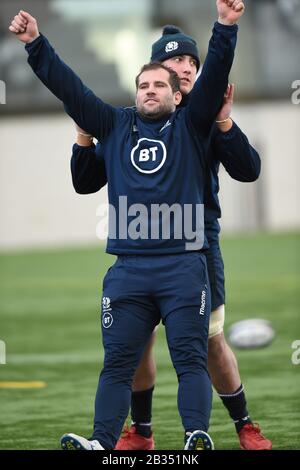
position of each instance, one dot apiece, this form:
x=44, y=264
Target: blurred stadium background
x=52, y=262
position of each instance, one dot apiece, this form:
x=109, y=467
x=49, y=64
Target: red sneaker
x=252, y=439
x=131, y=440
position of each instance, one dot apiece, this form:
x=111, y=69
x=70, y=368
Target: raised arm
x=82, y=105
x=208, y=92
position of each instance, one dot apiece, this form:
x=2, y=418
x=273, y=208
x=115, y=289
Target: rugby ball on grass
x=251, y=334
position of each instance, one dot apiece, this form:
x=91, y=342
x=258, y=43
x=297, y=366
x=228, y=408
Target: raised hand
x=24, y=26
x=230, y=11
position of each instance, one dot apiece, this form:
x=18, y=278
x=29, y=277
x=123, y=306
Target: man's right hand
x=80, y=130
x=83, y=138
x=24, y=26
x=225, y=111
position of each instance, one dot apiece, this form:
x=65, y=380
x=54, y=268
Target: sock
x=237, y=407
x=141, y=411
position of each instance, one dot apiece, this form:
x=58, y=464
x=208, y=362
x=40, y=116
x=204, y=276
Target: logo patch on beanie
x=171, y=46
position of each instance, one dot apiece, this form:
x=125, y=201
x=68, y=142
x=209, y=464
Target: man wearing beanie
x=153, y=154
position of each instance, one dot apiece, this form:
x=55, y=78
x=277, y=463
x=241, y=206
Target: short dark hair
x=173, y=77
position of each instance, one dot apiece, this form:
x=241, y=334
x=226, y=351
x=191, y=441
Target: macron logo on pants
x=203, y=303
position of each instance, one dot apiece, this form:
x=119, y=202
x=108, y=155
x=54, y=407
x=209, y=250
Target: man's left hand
x=230, y=11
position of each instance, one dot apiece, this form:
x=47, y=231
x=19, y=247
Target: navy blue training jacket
x=230, y=148
x=148, y=163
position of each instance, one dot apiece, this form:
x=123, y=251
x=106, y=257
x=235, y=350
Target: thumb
x=232, y=88
x=227, y=92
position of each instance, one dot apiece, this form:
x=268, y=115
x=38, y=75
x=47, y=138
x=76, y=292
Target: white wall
x=273, y=201
x=38, y=205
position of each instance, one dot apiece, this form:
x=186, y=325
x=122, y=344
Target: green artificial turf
x=49, y=320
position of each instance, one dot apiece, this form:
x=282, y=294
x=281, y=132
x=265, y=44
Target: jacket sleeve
x=207, y=95
x=87, y=110
x=88, y=169
x=234, y=151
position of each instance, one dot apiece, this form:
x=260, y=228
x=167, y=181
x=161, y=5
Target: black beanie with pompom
x=174, y=42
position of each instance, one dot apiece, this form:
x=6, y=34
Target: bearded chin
x=155, y=115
